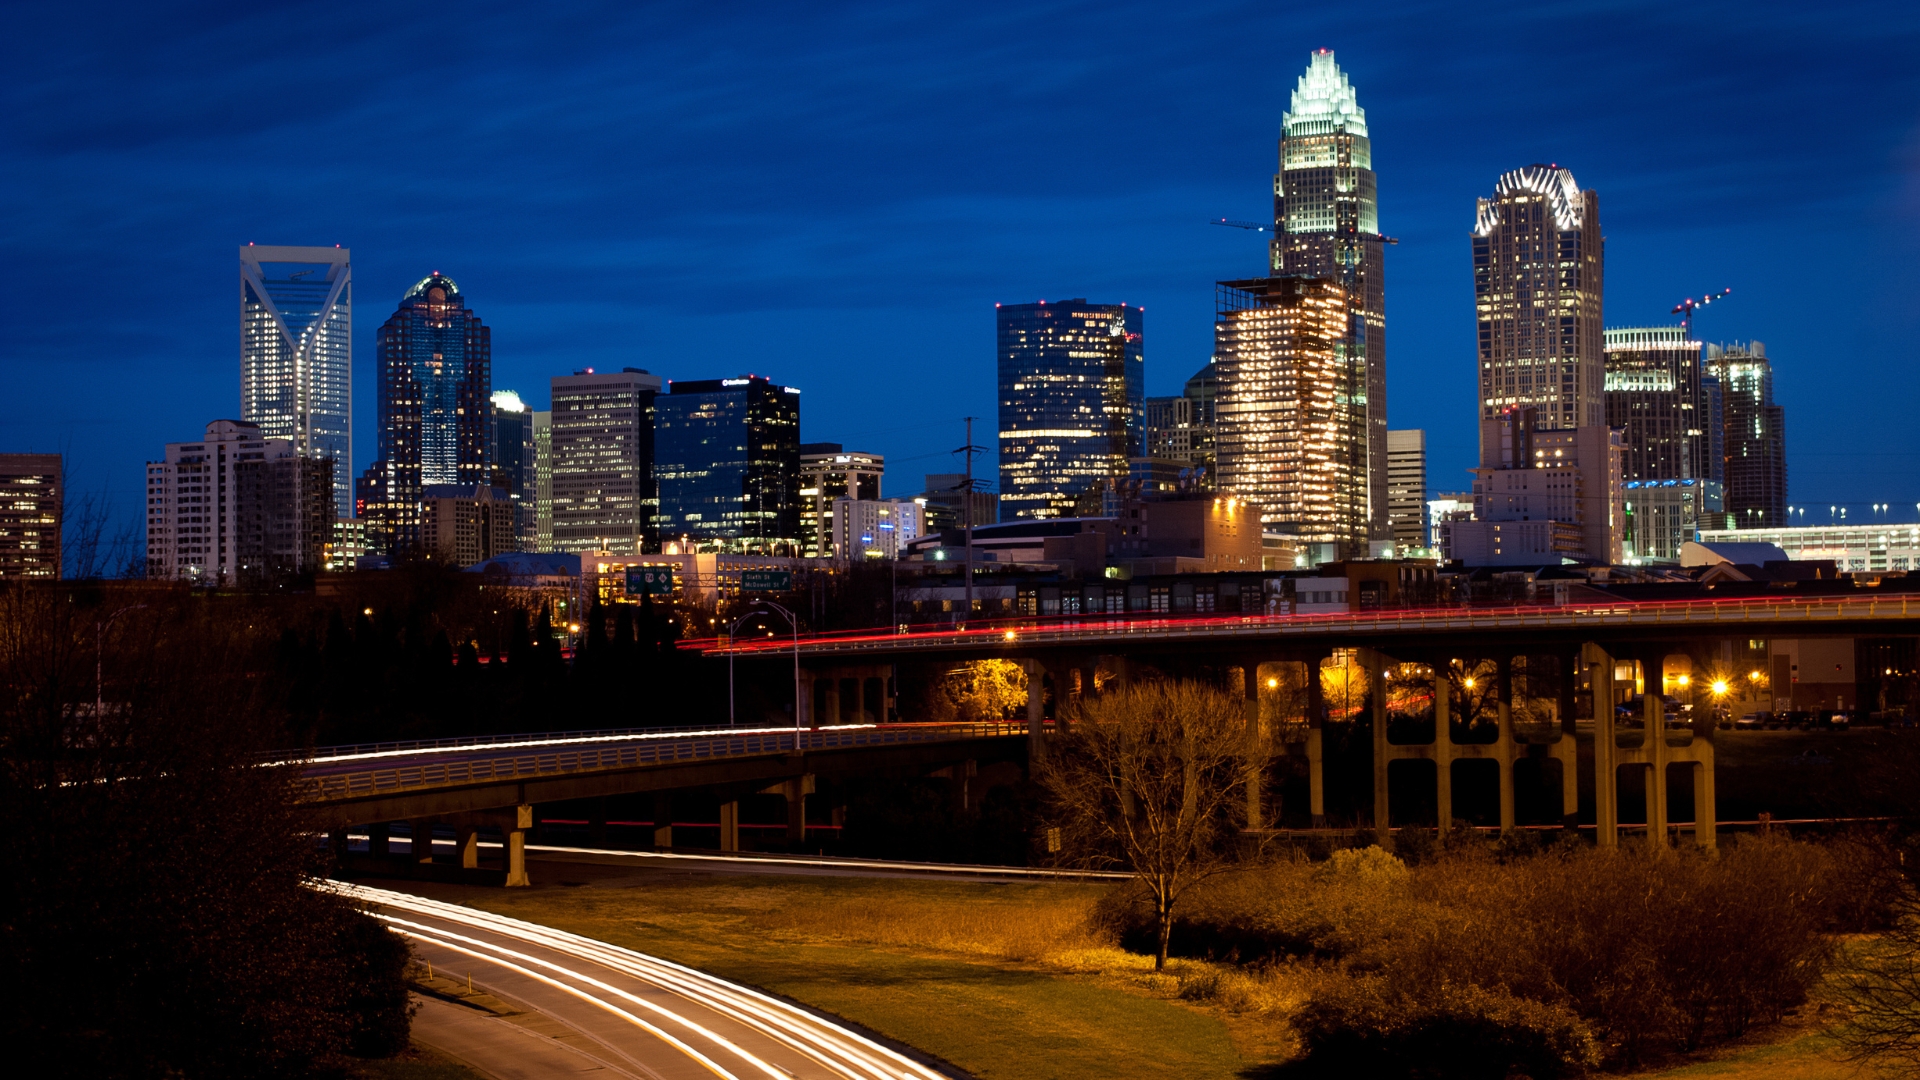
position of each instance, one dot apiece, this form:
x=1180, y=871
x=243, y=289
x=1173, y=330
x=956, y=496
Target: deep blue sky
x=835, y=196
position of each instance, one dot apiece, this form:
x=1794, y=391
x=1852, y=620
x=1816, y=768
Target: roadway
x=600, y=1007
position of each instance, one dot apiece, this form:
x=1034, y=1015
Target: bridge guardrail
x=328, y=753
x=403, y=778
x=1067, y=628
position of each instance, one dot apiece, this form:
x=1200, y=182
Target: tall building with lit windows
x=1658, y=396
x=601, y=482
x=436, y=421
x=31, y=509
x=1071, y=379
x=296, y=353
x=1289, y=422
x=829, y=473
x=1755, y=435
x=1326, y=224
x=728, y=461
x=1537, y=265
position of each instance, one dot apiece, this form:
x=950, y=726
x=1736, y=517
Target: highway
x=616, y=1010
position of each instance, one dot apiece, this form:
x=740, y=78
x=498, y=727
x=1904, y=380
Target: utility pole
x=966, y=495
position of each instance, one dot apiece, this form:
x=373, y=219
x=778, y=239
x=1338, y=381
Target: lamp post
x=795, y=623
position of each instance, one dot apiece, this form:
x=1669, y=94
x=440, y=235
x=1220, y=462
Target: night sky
x=836, y=198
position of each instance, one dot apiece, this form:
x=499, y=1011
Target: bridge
x=492, y=783
x=1062, y=654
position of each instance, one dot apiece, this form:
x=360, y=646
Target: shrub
x=1364, y=1027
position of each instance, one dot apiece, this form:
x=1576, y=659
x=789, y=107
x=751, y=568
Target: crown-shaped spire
x=1323, y=101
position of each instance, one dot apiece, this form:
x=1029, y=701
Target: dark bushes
x=1362, y=1027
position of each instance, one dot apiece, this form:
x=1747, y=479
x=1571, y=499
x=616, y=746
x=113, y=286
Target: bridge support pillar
x=420, y=841
x=730, y=825
x=1377, y=676
x=795, y=791
x=1316, y=743
x=517, y=846
x=377, y=845
x=1088, y=678
x=1567, y=747
x=1654, y=719
x=469, y=840
x=1036, y=711
x=662, y=819
x=1443, y=746
x=1705, y=816
x=1506, y=745
x=1256, y=735
x=1606, y=781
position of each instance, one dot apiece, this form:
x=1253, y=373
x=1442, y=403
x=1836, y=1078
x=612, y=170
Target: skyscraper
x=1407, y=487
x=1181, y=428
x=1290, y=425
x=729, y=465
x=1072, y=375
x=31, y=509
x=543, y=480
x=1537, y=264
x=296, y=353
x=828, y=473
x=1756, y=435
x=435, y=369
x=513, y=464
x=1656, y=395
x=1326, y=224
x=602, y=449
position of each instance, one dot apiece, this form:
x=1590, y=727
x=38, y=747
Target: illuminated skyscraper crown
x=1323, y=101
x=1557, y=184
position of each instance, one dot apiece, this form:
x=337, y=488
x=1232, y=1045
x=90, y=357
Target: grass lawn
x=1000, y=980
x=415, y=1063
x=1808, y=1057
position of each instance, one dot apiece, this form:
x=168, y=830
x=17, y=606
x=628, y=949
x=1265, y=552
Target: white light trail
x=844, y=1052
x=482, y=748
x=857, y=864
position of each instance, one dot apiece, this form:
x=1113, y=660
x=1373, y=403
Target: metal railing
x=1072, y=629
x=430, y=774
x=329, y=753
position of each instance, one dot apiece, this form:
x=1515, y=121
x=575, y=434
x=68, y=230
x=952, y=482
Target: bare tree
x=1149, y=778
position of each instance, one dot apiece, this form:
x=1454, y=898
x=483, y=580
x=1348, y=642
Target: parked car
x=1754, y=721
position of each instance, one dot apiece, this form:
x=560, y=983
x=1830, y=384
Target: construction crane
x=1687, y=307
x=1250, y=225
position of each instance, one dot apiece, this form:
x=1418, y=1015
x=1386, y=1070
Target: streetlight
x=793, y=622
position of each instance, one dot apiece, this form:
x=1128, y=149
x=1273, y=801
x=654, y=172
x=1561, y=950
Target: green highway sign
x=766, y=580
x=649, y=581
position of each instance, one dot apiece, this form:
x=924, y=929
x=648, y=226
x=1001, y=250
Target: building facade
x=32, y=508
x=296, y=353
x=946, y=502
x=1755, y=436
x=829, y=473
x=1071, y=380
x=1326, y=224
x=1854, y=549
x=542, y=480
x=875, y=528
x=1181, y=428
x=602, y=477
x=1658, y=397
x=1407, y=488
x=1290, y=421
x=466, y=524
x=237, y=507
x=513, y=464
x=729, y=465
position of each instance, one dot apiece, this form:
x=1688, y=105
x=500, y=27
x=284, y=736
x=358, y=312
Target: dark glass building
x=1072, y=378
x=435, y=369
x=727, y=459
x=1326, y=224
x=1756, y=435
x=513, y=464
x=1660, y=398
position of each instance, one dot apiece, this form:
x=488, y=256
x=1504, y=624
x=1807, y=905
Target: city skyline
x=1028, y=238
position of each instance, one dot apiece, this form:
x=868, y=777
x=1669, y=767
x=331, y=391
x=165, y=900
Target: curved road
x=622, y=1011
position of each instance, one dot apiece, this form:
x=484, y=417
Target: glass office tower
x=513, y=464
x=1755, y=441
x=1326, y=224
x=435, y=368
x=727, y=455
x=1072, y=378
x=296, y=353
x=1657, y=395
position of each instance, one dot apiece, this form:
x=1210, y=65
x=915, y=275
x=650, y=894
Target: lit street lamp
x=795, y=624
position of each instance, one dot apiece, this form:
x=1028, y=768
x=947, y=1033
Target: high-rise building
x=1537, y=266
x=1656, y=395
x=237, y=507
x=946, y=501
x=1755, y=441
x=435, y=368
x=1290, y=423
x=729, y=465
x=543, y=480
x=32, y=496
x=1181, y=428
x=1407, y=488
x=296, y=353
x=829, y=473
x=513, y=464
x=875, y=528
x=1072, y=375
x=603, y=472
x=1326, y=224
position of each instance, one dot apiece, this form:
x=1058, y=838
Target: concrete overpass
x=1064, y=652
